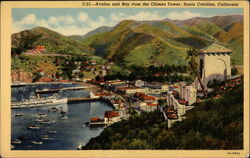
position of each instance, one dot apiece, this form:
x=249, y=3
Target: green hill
x=140, y=43
x=216, y=124
x=165, y=42
x=53, y=41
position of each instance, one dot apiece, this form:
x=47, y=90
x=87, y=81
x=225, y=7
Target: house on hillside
x=111, y=117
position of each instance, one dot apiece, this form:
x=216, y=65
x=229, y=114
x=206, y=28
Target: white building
x=160, y=86
x=214, y=63
x=188, y=93
x=148, y=107
x=133, y=90
x=139, y=83
x=111, y=117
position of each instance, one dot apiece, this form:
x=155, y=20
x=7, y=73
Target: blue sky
x=79, y=21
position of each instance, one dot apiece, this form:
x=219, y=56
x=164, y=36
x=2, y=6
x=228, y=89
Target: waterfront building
x=113, y=85
x=132, y=90
x=111, y=117
x=213, y=63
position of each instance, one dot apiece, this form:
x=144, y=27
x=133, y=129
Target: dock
x=70, y=100
x=48, y=90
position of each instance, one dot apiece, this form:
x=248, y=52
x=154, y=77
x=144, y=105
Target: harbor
x=55, y=127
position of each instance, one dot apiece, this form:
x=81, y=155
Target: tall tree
x=191, y=56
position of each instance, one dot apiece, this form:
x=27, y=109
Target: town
x=137, y=96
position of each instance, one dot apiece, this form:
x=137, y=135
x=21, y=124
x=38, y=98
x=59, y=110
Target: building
x=139, y=83
x=148, y=107
x=214, y=63
x=132, y=90
x=113, y=85
x=156, y=85
x=145, y=98
x=111, y=117
x=188, y=93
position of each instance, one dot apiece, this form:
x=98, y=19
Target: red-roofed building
x=144, y=97
x=111, y=117
x=148, y=107
x=95, y=119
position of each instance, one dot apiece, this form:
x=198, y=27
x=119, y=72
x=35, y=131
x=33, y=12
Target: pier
x=70, y=100
x=48, y=90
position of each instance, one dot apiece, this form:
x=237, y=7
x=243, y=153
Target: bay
x=70, y=132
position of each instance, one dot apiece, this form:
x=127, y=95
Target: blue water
x=70, y=132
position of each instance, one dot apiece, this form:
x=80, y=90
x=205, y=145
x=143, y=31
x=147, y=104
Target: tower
x=213, y=63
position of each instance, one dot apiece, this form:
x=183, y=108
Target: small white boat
x=64, y=117
x=16, y=141
x=45, y=137
x=34, y=127
x=39, y=120
x=46, y=122
x=79, y=147
x=52, y=131
x=18, y=115
x=36, y=142
x=41, y=114
x=12, y=146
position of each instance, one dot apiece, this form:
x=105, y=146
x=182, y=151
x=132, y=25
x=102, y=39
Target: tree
x=191, y=56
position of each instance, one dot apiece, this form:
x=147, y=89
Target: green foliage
x=213, y=124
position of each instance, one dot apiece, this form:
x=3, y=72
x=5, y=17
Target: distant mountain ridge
x=165, y=41
x=145, y=43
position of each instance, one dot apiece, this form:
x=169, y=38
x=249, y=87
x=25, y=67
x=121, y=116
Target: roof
x=144, y=96
x=110, y=114
x=215, y=48
x=95, y=119
x=129, y=88
x=150, y=104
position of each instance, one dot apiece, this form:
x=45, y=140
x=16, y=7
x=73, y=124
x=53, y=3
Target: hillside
x=53, y=41
x=215, y=124
x=145, y=43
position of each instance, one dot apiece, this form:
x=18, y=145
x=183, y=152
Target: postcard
x=125, y=79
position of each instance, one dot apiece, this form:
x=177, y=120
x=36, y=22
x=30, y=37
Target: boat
x=16, y=141
x=41, y=114
x=12, y=146
x=64, y=117
x=38, y=102
x=36, y=142
x=23, y=137
x=17, y=115
x=45, y=137
x=45, y=122
x=34, y=127
x=52, y=131
x=79, y=147
x=39, y=120
x=63, y=112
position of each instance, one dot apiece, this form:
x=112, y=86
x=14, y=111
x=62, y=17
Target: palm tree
x=191, y=54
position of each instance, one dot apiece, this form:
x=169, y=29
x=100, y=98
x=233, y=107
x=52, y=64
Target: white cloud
x=42, y=22
x=53, y=20
x=182, y=15
x=83, y=17
x=139, y=16
x=100, y=22
x=70, y=30
x=28, y=19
